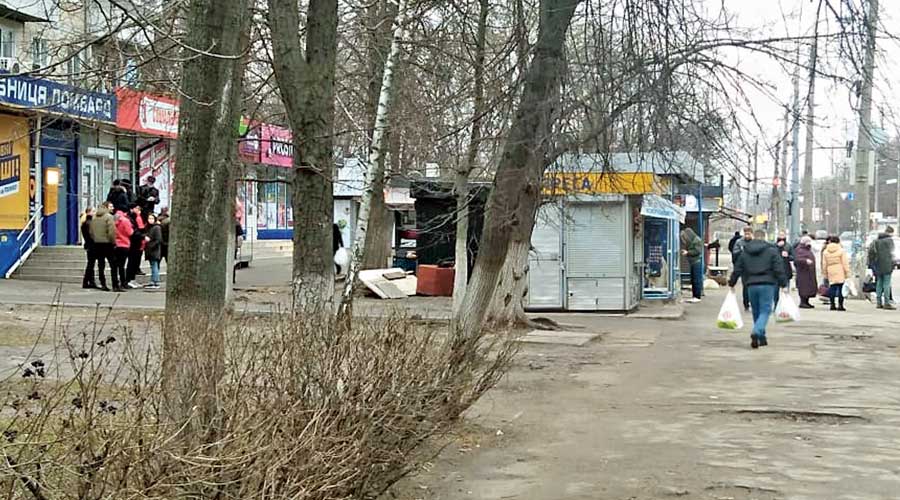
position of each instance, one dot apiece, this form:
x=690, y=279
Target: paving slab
x=576, y=339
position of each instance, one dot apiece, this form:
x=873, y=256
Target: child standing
x=153, y=252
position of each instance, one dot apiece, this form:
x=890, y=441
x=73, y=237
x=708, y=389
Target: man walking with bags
x=761, y=269
x=881, y=260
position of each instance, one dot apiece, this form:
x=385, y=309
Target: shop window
x=274, y=211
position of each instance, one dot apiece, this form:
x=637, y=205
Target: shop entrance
x=60, y=224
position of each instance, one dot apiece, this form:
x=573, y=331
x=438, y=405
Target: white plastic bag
x=342, y=257
x=849, y=289
x=730, y=314
x=787, y=309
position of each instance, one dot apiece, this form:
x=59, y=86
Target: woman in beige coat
x=836, y=269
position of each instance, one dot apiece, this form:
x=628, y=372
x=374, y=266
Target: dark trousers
x=836, y=291
x=88, y=280
x=104, y=252
x=120, y=259
x=697, y=279
x=134, y=262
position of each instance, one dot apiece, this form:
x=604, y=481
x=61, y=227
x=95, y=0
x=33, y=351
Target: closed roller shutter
x=595, y=240
x=544, y=260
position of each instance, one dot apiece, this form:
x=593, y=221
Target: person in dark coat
x=88, y=280
x=734, y=239
x=805, y=262
x=164, y=220
x=103, y=236
x=118, y=196
x=761, y=269
x=736, y=251
x=153, y=252
x=337, y=242
x=881, y=260
x=148, y=197
x=787, y=256
x=692, y=248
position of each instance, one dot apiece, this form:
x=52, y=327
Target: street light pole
x=795, y=163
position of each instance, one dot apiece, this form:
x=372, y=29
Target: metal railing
x=27, y=240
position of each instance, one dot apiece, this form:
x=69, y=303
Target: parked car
x=821, y=234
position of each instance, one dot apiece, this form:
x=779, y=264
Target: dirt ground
x=652, y=409
x=677, y=409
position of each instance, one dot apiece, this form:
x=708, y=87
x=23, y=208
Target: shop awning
x=661, y=208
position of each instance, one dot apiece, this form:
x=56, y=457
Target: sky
x=835, y=116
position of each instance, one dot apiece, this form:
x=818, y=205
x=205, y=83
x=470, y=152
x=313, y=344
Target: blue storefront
x=54, y=113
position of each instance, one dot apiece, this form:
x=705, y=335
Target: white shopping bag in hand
x=787, y=309
x=730, y=314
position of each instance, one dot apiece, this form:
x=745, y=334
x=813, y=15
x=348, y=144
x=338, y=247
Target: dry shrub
x=306, y=408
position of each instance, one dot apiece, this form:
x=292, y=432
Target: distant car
x=821, y=234
x=847, y=236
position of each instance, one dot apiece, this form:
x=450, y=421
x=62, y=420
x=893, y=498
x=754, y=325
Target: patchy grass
x=14, y=334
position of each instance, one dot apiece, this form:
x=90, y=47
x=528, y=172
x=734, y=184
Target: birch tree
x=374, y=165
x=461, y=185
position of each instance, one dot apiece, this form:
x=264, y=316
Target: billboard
x=150, y=114
x=14, y=172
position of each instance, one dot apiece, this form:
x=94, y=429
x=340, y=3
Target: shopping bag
x=787, y=309
x=342, y=257
x=849, y=289
x=730, y=314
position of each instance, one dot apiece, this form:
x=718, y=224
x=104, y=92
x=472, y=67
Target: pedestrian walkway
x=679, y=409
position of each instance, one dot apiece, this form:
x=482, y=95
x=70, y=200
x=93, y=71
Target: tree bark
x=203, y=208
x=377, y=251
x=461, y=186
x=375, y=167
x=306, y=82
x=518, y=177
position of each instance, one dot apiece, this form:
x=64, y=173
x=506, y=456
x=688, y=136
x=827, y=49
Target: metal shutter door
x=595, y=240
x=544, y=265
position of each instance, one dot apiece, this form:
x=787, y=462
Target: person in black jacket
x=118, y=196
x=153, y=252
x=147, y=197
x=88, y=280
x=734, y=239
x=337, y=242
x=761, y=268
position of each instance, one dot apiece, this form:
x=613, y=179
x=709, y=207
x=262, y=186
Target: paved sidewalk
x=679, y=409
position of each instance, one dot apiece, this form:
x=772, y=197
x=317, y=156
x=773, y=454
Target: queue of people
x=122, y=232
x=801, y=263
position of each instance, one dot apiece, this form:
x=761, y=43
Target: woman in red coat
x=805, y=262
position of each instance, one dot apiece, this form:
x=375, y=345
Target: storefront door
x=60, y=225
x=90, y=191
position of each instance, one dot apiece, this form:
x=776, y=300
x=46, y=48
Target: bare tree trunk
x=461, y=187
x=375, y=167
x=378, y=247
x=203, y=209
x=307, y=90
x=518, y=178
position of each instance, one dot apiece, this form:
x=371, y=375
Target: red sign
x=150, y=114
x=276, y=146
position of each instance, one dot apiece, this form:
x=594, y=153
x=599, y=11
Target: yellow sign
x=568, y=183
x=14, y=177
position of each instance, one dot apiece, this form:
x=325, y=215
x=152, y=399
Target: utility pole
x=782, y=181
x=808, y=195
x=776, y=192
x=755, y=178
x=795, y=162
x=864, y=141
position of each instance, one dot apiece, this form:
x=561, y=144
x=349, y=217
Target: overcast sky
x=836, y=119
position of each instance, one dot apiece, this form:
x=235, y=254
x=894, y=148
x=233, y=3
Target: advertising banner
x=150, y=114
x=277, y=147
x=14, y=172
x=40, y=94
x=157, y=160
